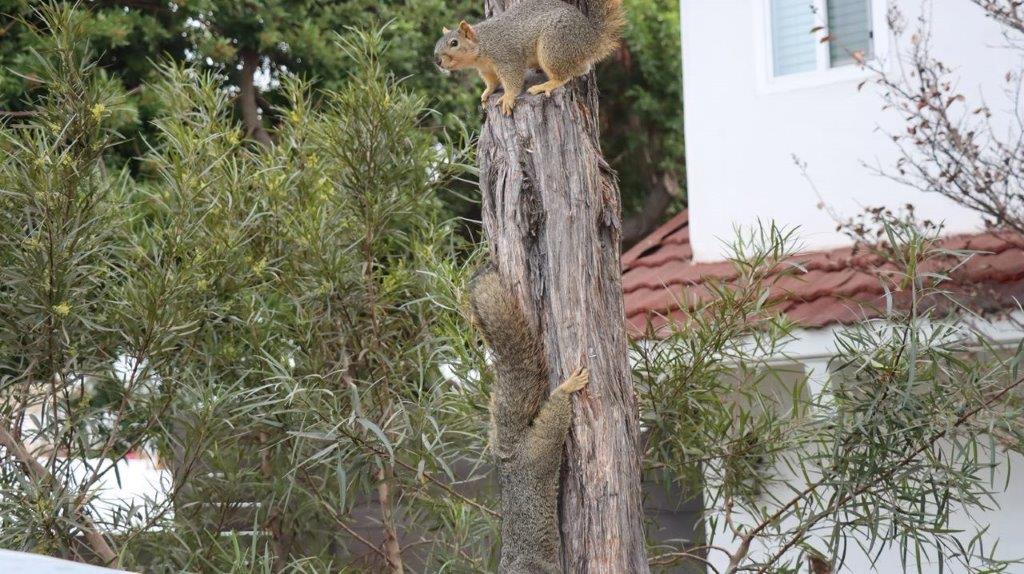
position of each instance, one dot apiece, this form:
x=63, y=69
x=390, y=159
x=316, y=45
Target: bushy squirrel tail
x=609, y=18
x=517, y=347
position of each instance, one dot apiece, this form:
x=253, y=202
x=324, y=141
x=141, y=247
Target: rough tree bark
x=551, y=212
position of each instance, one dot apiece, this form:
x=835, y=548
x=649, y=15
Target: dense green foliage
x=291, y=39
x=297, y=39
x=642, y=105
x=272, y=321
x=294, y=37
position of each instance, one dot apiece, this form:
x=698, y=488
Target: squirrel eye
x=455, y=43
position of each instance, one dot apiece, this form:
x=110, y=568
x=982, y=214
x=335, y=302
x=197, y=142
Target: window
x=809, y=35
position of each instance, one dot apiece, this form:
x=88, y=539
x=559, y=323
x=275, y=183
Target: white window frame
x=768, y=82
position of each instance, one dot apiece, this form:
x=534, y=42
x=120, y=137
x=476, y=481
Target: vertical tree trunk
x=247, y=99
x=551, y=212
x=392, y=548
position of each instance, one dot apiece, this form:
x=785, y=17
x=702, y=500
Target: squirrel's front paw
x=577, y=381
x=507, y=103
x=484, y=96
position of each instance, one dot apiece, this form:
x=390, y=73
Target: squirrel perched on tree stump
x=557, y=37
x=527, y=431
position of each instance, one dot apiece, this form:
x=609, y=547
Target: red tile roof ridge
x=654, y=239
x=828, y=286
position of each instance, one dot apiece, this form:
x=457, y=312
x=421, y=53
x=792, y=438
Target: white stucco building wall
x=743, y=126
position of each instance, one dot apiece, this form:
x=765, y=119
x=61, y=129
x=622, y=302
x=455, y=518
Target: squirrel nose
x=437, y=61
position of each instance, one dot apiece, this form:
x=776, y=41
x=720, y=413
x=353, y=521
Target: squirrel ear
x=445, y=30
x=467, y=30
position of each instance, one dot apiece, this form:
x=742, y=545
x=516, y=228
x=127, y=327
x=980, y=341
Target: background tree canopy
x=257, y=44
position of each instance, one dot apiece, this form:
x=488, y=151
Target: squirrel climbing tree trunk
x=551, y=212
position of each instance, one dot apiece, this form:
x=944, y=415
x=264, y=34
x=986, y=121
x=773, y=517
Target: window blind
x=793, y=44
x=849, y=28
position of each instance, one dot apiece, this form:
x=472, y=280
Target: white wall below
x=742, y=132
x=12, y=561
x=812, y=349
x=1004, y=526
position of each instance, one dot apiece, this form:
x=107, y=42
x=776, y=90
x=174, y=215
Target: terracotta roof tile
x=1001, y=267
x=654, y=241
x=990, y=242
x=660, y=279
x=811, y=285
x=859, y=282
x=825, y=310
x=673, y=252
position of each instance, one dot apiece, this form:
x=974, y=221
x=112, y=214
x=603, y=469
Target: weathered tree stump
x=551, y=212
